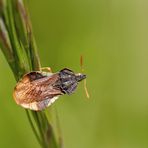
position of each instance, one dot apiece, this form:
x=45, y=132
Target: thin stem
x=18, y=45
x=33, y=127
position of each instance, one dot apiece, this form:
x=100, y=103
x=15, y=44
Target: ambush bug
x=38, y=90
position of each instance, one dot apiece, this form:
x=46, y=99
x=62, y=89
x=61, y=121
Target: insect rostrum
x=37, y=90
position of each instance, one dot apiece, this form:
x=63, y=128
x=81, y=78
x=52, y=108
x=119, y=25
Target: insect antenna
x=82, y=69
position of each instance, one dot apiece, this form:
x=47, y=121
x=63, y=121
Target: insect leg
x=46, y=69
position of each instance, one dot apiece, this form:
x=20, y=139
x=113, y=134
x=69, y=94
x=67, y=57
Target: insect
x=38, y=90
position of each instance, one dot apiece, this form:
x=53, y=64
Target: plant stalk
x=19, y=48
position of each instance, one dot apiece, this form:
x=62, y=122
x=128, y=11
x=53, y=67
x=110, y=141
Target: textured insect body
x=69, y=80
x=38, y=90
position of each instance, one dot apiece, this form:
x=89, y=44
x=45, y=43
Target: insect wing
x=36, y=90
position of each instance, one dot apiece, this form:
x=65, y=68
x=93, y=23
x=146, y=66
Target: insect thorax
x=68, y=81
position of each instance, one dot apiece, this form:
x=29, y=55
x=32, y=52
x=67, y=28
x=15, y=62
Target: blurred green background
x=112, y=36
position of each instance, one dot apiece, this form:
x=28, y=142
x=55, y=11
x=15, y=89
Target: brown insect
x=38, y=90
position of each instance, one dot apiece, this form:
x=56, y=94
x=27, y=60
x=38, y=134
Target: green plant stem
x=18, y=45
x=33, y=128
